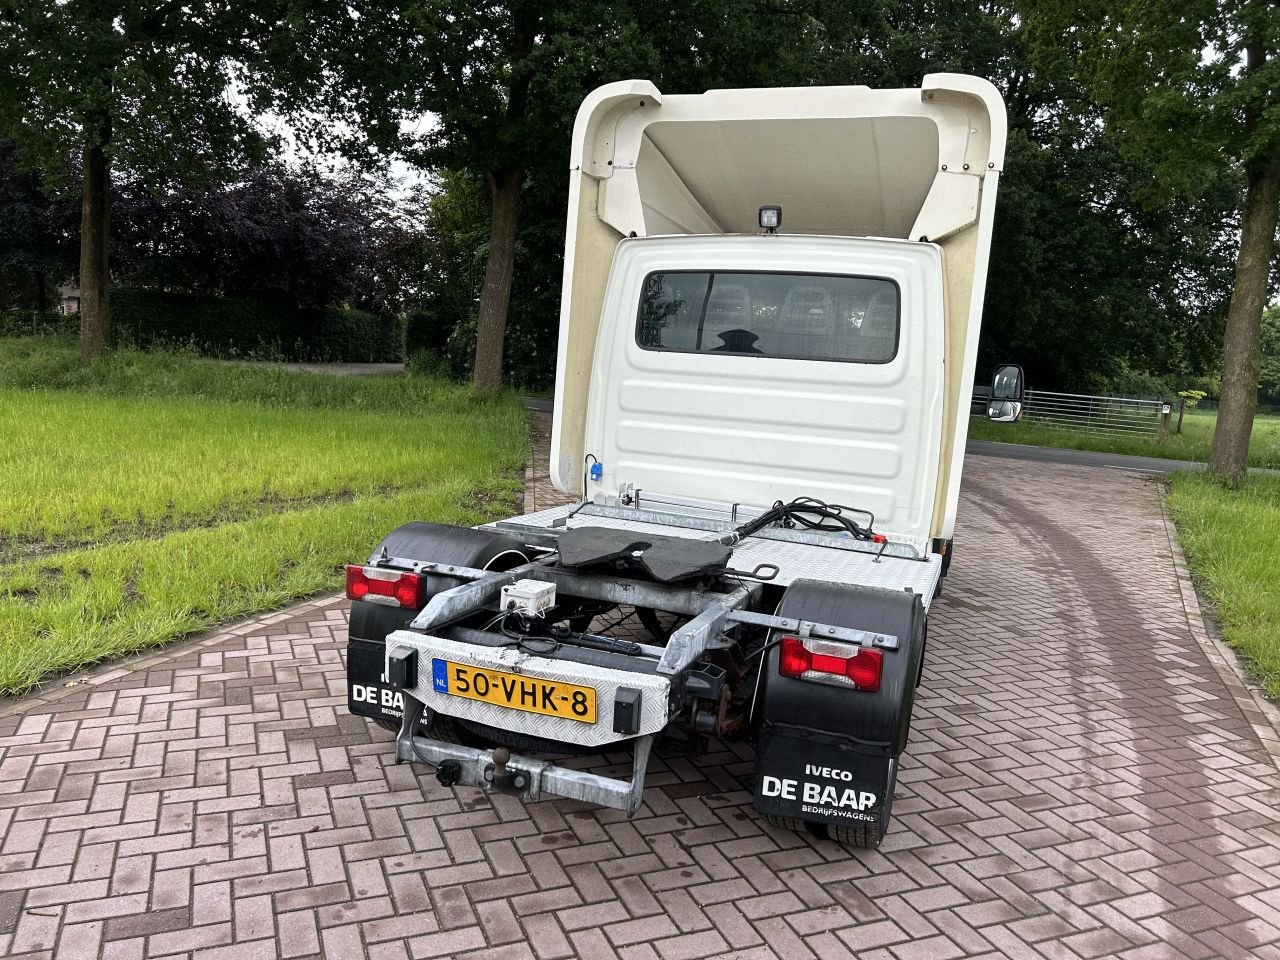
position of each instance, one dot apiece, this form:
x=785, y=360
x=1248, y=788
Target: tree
x=1259, y=132
x=1192, y=87
x=502, y=82
x=37, y=234
x=288, y=237
x=142, y=86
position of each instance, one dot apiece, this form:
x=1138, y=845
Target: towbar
x=499, y=771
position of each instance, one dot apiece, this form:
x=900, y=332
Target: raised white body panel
x=849, y=162
x=756, y=429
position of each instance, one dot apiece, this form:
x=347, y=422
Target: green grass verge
x=77, y=467
x=1192, y=444
x=1230, y=538
x=148, y=496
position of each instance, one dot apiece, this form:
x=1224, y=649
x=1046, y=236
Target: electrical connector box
x=531, y=598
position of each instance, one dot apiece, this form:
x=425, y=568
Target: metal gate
x=1111, y=416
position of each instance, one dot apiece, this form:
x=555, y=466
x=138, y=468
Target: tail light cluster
x=826, y=661
x=395, y=588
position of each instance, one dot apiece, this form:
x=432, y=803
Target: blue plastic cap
x=596, y=471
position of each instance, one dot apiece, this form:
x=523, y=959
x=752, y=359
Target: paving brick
x=1085, y=779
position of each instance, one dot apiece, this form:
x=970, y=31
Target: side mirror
x=1005, y=404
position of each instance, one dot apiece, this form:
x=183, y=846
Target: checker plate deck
x=795, y=561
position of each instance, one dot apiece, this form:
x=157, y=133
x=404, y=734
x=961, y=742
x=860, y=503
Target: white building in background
x=68, y=299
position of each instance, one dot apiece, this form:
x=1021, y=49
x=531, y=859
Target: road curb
x=1261, y=714
x=60, y=687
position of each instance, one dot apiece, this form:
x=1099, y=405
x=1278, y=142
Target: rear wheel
x=442, y=728
x=868, y=835
x=859, y=834
x=417, y=543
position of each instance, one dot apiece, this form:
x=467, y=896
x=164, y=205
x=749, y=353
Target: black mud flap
x=817, y=777
x=368, y=694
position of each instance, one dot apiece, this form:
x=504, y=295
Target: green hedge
x=426, y=330
x=145, y=318
x=360, y=337
x=250, y=328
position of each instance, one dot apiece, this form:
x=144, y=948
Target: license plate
x=551, y=698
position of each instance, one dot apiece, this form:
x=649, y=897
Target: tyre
x=442, y=728
x=867, y=835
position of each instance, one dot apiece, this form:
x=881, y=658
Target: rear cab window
x=802, y=316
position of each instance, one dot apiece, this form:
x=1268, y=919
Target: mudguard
x=819, y=777
x=456, y=546
x=367, y=691
x=827, y=754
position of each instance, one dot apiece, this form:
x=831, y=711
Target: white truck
x=767, y=343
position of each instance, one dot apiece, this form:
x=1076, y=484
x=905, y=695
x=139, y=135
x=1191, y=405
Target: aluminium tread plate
x=795, y=561
x=436, y=689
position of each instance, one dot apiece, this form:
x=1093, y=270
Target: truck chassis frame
x=784, y=555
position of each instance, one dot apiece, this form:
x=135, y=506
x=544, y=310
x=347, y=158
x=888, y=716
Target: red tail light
x=826, y=661
x=864, y=669
x=795, y=660
x=392, y=587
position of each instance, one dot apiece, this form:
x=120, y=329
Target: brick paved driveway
x=1083, y=780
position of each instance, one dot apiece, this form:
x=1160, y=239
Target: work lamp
x=770, y=218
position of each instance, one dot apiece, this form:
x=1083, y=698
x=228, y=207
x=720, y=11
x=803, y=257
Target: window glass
x=793, y=315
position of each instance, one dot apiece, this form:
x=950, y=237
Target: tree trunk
x=495, y=295
x=1241, y=349
x=42, y=298
x=95, y=224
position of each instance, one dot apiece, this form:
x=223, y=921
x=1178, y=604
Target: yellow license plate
x=551, y=698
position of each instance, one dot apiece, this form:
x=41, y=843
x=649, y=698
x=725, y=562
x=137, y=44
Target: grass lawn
x=1230, y=538
x=148, y=496
x=1192, y=444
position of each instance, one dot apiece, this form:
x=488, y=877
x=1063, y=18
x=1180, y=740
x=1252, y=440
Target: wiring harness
x=811, y=514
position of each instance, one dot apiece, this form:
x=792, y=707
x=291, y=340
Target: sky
x=296, y=153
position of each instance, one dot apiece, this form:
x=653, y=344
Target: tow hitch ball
x=500, y=777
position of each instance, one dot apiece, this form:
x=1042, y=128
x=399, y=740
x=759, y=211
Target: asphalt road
x=1082, y=458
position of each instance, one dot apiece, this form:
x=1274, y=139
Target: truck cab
x=768, y=332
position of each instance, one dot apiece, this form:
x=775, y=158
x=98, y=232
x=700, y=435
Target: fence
x=1109, y=416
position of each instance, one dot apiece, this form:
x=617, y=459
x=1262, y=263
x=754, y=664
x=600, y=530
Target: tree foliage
x=144, y=87
x=37, y=236
x=1190, y=91
x=276, y=235
x=1129, y=150
x=1094, y=274
x=501, y=82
